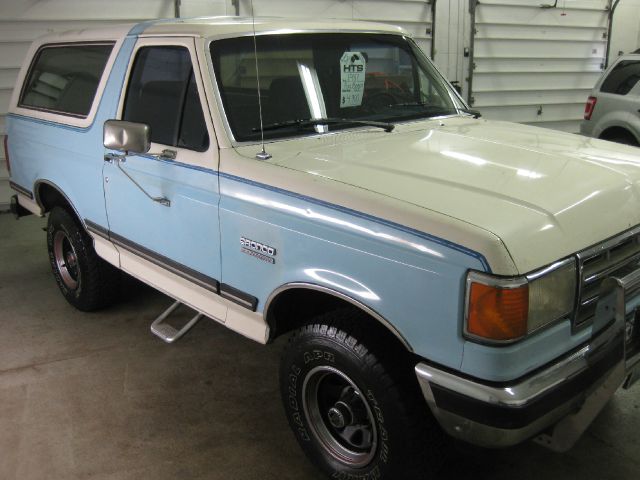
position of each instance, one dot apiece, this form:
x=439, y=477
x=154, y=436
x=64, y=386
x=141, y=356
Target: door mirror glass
x=127, y=136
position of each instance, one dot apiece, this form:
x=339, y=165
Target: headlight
x=502, y=310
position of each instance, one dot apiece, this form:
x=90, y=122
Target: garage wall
x=626, y=31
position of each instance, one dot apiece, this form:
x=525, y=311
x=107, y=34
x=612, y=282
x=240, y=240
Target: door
x=534, y=62
x=162, y=207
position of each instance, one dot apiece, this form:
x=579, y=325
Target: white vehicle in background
x=612, y=111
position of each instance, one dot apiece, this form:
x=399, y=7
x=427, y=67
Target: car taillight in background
x=6, y=153
x=588, y=108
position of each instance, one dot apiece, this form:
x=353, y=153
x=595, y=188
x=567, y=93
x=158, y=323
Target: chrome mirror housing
x=127, y=136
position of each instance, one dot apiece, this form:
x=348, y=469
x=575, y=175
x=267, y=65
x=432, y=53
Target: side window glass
x=622, y=78
x=193, y=129
x=64, y=79
x=162, y=93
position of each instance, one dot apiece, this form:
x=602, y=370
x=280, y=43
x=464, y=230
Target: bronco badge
x=258, y=250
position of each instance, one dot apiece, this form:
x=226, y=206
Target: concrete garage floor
x=97, y=396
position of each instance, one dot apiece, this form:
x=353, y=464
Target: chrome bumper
x=556, y=404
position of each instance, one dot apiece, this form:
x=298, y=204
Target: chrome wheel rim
x=66, y=260
x=340, y=416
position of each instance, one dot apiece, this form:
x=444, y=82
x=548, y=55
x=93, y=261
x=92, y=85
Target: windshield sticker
x=353, y=68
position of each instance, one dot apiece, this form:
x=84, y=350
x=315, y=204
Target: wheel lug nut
x=336, y=418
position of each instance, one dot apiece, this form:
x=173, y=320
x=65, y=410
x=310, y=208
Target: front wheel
x=354, y=407
x=86, y=281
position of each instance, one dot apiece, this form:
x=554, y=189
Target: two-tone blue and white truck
x=435, y=271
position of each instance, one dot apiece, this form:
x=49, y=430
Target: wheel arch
x=617, y=130
x=48, y=195
x=317, y=299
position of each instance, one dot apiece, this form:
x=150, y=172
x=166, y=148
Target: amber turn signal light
x=497, y=313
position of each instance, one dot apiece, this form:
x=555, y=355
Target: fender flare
x=335, y=293
x=36, y=193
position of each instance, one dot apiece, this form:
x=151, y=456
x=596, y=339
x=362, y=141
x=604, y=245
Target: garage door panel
x=526, y=114
x=537, y=65
x=515, y=48
x=531, y=14
x=391, y=12
x=13, y=54
x=532, y=81
x=5, y=97
x=8, y=77
x=543, y=33
x=572, y=4
x=502, y=65
x=549, y=96
x=27, y=31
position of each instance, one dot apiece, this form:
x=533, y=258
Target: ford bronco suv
x=435, y=272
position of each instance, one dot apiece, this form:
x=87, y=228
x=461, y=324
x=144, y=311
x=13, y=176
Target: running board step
x=167, y=332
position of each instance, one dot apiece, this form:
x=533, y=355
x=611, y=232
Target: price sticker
x=353, y=68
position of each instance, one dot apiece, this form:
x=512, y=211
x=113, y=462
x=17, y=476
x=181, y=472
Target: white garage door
x=536, y=64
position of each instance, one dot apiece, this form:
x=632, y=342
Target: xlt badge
x=258, y=250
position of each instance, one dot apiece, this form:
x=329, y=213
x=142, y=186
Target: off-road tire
x=91, y=283
x=339, y=347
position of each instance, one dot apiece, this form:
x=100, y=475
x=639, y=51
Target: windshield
x=339, y=76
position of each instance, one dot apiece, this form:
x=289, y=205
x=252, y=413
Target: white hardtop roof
x=218, y=26
x=228, y=26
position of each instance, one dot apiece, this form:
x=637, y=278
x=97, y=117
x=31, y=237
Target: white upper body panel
x=545, y=194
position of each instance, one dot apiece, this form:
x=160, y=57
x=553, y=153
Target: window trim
x=455, y=97
x=207, y=158
x=72, y=118
x=608, y=73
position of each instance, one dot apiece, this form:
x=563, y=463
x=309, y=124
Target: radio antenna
x=262, y=155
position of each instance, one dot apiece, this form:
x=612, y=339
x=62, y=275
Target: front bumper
x=556, y=403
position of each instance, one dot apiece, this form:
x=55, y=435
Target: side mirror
x=127, y=136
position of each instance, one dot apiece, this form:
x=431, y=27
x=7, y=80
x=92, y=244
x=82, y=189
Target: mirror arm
x=118, y=159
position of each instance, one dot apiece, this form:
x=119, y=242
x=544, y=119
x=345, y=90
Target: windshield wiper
x=310, y=122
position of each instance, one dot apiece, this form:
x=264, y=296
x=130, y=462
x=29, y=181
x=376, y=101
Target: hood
x=545, y=194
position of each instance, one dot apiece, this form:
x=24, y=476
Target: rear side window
x=163, y=94
x=64, y=79
x=622, y=78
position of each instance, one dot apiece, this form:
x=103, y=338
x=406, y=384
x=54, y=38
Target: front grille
x=618, y=257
